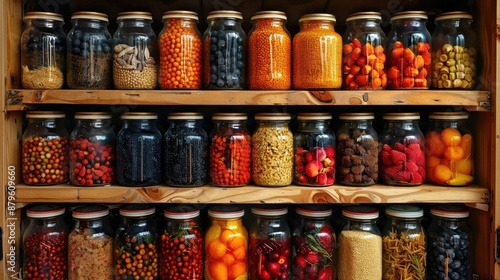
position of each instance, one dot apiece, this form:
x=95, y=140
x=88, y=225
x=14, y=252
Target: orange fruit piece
x=454, y=153
x=463, y=166
x=441, y=173
x=466, y=144
x=228, y=259
x=213, y=232
x=237, y=269
x=236, y=242
x=433, y=144
x=226, y=236
x=217, y=270
x=451, y=137
x=240, y=253
x=216, y=249
x=432, y=161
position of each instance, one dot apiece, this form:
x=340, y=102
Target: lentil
x=360, y=253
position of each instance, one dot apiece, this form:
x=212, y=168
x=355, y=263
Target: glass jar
x=230, y=150
x=409, y=51
x=401, y=157
x=449, y=244
x=317, y=53
x=272, y=150
x=226, y=243
x=43, y=51
x=45, y=243
x=180, y=70
x=270, y=241
x=89, y=52
x=45, y=149
x=185, y=151
x=357, y=150
x=314, y=146
x=181, y=244
x=363, y=55
x=314, y=243
x=448, y=149
x=224, y=51
x=403, y=241
x=90, y=244
x=138, y=150
x=92, y=150
x=135, y=49
x=360, y=245
x=135, y=246
x=455, y=56
x=269, y=52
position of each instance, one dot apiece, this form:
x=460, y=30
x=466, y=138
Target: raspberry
x=397, y=158
x=400, y=147
x=402, y=176
x=416, y=156
x=414, y=147
x=416, y=178
x=411, y=167
x=386, y=148
x=392, y=170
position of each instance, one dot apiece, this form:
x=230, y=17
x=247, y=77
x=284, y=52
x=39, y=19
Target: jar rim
x=45, y=115
x=92, y=115
x=139, y=116
x=136, y=210
x=229, y=117
x=401, y=116
x=90, y=212
x=180, y=14
x=269, y=14
x=360, y=212
x=448, y=116
x=226, y=212
x=185, y=116
x=224, y=14
x=90, y=15
x=44, y=16
x=134, y=15
x=314, y=211
x=357, y=116
x=410, y=15
x=181, y=212
x=45, y=211
x=404, y=211
x=449, y=211
x=272, y=117
x=314, y=116
x=270, y=211
x=453, y=15
x=318, y=16
x=364, y=15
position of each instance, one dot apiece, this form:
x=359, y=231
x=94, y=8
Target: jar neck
x=134, y=23
x=98, y=123
x=406, y=124
x=365, y=225
x=79, y=23
x=52, y=24
x=365, y=23
x=316, y=24
x=182, y=223
x=138, y=221
x=48, y=222
x=277, y=124
x=454, y=22
x=269, y=23
x=451, y=223
x=410, y=22
x=183, y=22
x=186, y=124
x=361, y=124
x=316, y=125
x=93, y=223
x=226, y=21
x=140, y=124
x=48, y=123
x=402, y=223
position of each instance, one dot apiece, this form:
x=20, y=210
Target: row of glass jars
x=270, y=250
x=218, y=59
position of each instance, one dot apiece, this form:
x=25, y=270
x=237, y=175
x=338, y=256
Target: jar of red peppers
x=401, y=157
x=409, y=51
x=181, y=244
x=314, y=148
x=92, y=150
x=230, y=150
x=45, y=149
x=364, y=52
x=45, y=246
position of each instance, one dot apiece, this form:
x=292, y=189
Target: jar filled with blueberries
x=224, y=51
x=89, y=51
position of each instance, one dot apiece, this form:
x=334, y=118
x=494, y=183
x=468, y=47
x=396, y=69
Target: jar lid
x=134, y=15
x=453, y=15
x=181, y=212
x=410, y=15
x=90, y=212
x=224, y=14
x=357, y=116
x=314, y=211
x=314, y=116
x=139, y=116
x=226, y=212
x=448, y=115
x=272, y=117
x=45, y=115
x=404, y=211
x=364, y=15
x=401, y=116
x=45, y=211
x=229, y=117
x=360, y=212
x=269, y=14
x=113, y=206
x=136, y=210
x=449, y=211
x=185, y=116
x=43, y=15
x=180, y=14
x=318, y=16
x=270, y=211
x=92, y=115
x=90, y=15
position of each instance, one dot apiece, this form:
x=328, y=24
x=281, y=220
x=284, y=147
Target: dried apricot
x=441, y=173
x=451, y=137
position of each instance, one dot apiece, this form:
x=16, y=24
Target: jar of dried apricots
x=448, y=149
x=180, y=51
x=409, y=51
x=226, y=243
x=317, y=53
x=363, y=52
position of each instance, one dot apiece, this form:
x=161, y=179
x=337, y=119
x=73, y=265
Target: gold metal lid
x=453, y=15
x=269, y=14
x=318, y=16
x=139, y=116
x=224, y=14
x=364, y=15
x=180, y=14
x=410, y=15
x=134, y=15
x=90, y=15
x=43, y=15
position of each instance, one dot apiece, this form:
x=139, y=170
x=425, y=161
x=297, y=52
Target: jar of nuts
x=454, y=52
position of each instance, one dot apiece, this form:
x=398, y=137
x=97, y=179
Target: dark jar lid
x=450, y=211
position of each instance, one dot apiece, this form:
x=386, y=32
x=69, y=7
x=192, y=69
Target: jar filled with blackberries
x=401, y=156
x=185, y=151
x=314, y=147
x=449, y=244
x=138, y=150
x=224, y=51
x=357, y=150
x=92, y=150
x=89, y=52
x=43, y=51
x=134, y=52
x=45, y=247
x=45, y=149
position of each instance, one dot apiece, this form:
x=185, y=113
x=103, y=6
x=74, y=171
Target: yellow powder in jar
x=360, y=255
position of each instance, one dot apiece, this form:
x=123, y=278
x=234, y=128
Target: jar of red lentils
x=317, y=53
x=180, y=51
x=45, y=149
x=269, y=52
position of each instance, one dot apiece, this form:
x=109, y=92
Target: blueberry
x=219, y=54
x=220, y=83
x=86, y=37
x=76, y=50
x=99, y=48
x=106, y=48
x=213, y=47
x=85, y=46
x=213, y=78
x=221, y=43
x=240, y=48
x=77, y=34
x=213, y=69
x=450, y=253
x=212, y=57
x=221, y=61
x=454, y=275
x=77, y=42
x=455, y=264
x=222, y=68
x=236, y=74
x=222, y=75
x=85, y=53
x=239, y=56
x=213, y=39
x=240, y=64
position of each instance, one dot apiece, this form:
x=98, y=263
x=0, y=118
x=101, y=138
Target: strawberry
x=400, y=147
x=385, y=158
x=402, y=176
x=325, y=238
x=397, y=157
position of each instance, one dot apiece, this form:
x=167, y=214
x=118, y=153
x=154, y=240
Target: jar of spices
x=180, y=51
x=409, y=51
x=226, y=243
x=181, y=244
x=89, y=52
x=135, y=247
x=454, y=51
x=272, y=150
x=314, y=146
x=360, y=245
x=401, y=157
x=43, y=51
x=448, y=149
x=364, y=52
x=45, y=149
x=314, y=243
x=403, y=241
x=45, y=243
x=230, y=150
x=138, y=150
x=357, y=150
x=135, y=48
x=269, y=52
x=92, y=150
x=224, y=51
x=185, y=151
x=449, y=244
x=90, y=244
x=317, y=53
